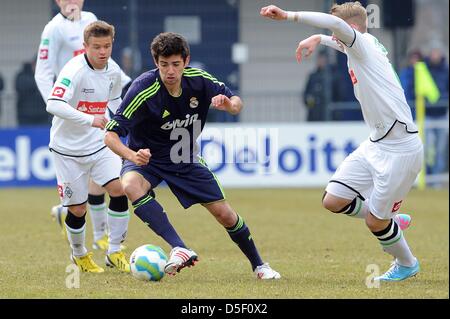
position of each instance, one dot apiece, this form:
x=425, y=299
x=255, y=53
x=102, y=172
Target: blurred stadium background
x=255, y=58
x=308, y=134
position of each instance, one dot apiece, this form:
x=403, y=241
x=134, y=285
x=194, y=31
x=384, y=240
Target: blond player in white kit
x=384, y=167
x=86, y=87
x=61, y=40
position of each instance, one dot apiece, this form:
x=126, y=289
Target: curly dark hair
x=168, y=43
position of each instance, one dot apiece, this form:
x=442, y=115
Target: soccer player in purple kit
x=172, y=100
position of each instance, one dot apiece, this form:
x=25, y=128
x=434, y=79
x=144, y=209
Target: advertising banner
x=241, y=155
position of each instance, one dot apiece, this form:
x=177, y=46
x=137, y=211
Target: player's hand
x=309, y=45
x=99, y=121
x=221, y=102
x=273, y=12
x=142, y=157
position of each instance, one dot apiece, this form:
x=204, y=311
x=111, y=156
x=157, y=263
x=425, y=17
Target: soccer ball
x=147, y=262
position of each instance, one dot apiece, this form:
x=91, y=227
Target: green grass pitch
x=319, y=255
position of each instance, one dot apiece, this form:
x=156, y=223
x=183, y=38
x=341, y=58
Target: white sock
x=394, y=243
x=359, y=209
x=76, y=239
x=98, y=219
x=401, y=251
x=118, y=227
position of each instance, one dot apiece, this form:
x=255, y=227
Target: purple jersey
x=149, y=114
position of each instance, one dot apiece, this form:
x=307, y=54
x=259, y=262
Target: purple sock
x=153, y=215
x=240, y=234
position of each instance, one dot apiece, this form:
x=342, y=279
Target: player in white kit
x=61, y=40
x=383, y=168
x=86, y=87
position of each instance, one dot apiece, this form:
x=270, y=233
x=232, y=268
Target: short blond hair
x=351, y=12
x=98, y=29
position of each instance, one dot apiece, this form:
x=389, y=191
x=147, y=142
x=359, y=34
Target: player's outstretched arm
x=339, y=27
x=232, y=105
x=306, y=47
x=140, y=158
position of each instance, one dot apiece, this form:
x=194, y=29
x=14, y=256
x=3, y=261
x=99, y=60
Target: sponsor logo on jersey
x=78, y=52
x=92, y=107
x=180, y=123
x=396, y=206
x=45, y=41
x=58, y=91
x=353, y=77
x=87, y=91
x=65, y=81
x=193, y=102
x=43, y=54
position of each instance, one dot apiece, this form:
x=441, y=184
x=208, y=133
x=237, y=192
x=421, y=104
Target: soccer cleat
x=117, y=260
x=180, y=258
x=403, y=220
x=103, y=244
x=86, y=263
x=398, y=272
x=265, y=272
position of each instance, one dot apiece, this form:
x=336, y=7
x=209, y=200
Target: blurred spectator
x=317, y=86
x=30, y=106
x=437, y=138
x=407, y=74
x=131, y=62
x=438, y=67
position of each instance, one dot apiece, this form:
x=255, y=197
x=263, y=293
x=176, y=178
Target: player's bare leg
x=358, y=208
x=388, y=232
x=240, y=234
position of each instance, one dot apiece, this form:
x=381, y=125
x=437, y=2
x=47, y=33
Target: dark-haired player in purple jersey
x=162, y=114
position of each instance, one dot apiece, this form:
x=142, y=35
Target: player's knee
x=95, y=189
x=130, y=189
x=374, y=224
x=134, y=186
x=330, y=204
x=115, y=188
x=333, y=204
x=78, y=210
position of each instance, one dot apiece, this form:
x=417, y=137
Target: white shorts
x=73, y=173
x=382, y=173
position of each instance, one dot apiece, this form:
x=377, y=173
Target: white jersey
x=90, y=92
x=377, y=87
x=61, y=40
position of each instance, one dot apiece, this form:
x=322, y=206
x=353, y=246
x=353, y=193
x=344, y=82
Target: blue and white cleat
x=398, y=272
